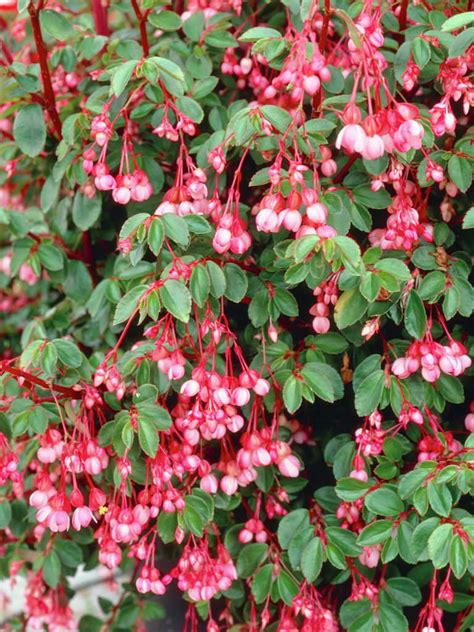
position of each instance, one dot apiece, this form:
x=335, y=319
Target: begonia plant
x=235, y=252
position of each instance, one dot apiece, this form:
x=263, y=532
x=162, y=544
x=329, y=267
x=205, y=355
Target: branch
x=28, y=377
x=142, y=24
x=50, y=100
x=402, y=18
x=99, y=11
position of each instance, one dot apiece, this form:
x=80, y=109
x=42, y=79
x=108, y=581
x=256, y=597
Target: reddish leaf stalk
x=141, y=17
x=50, y=101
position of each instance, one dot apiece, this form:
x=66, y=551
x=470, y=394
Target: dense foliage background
x=234, y=284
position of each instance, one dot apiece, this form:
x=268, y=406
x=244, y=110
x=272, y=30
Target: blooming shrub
x=234, y=286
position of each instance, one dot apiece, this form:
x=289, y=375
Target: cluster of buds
x=110, y=377
x=300, y=213
x=404, y=229
x=370, y=438
x=8, y=462
x=326, y=294
x=150, y=580
x=300, y=76
x=203, y=576
x=253, y=530
x=430, y=448
x=189, y=198
x=126, y=186
x=433, y=358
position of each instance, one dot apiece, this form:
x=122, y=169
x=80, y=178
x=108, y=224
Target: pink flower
x=351, y=137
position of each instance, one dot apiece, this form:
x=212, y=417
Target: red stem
x=325, y=28
x=142, y=24
x=345, y=169
x=50, y=101
x=64, y=390
x=402, y=18
x=99, y=12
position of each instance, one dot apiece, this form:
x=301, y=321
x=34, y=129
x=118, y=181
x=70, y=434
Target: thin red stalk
x=325, y=28
x=64, y=390
x=142, y=25
x=50, y=101
x=99, y=11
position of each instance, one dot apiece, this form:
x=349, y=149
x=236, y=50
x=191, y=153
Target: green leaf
x=190, y=108
x=51, y=257
x=290, y=525
x=468, y=220
x=460, y=172
x=236, y=283
x=129, y=303
x=375, y=533
x=404, y=591
x=287, y=587
x=200, y=285
x=293, y=393
x=156, y=235
x=410, y=482
x=350, y=308
x=250, y=558
x=29, y=130
x=431, y=285
x=166, y=20
x=259, y=32
x=458, y=21
x=176, y=299
x=384, y=501
x=415, y=316
x=68, y=353
x=461, y=43
x=176, y=228
x=392, y=618
x=323, y=380
x=121, y=75
x=350, y=489
x=217, y=278
x=51, y=569
x=69, y=552
x=395, y=267
x=312, y=560
x=148, y=437
x=86, y=211
x=131, y=225
x=262, y=583
x=440, y=498
x=369, y=393
x=458, y=559
x=439, y=544
x=421, y=52
x=5, y=514
x=56, y=24
x=344, y=539
x=278, y=117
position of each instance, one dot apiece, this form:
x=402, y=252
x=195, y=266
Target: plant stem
x=50, y=100
x=142, y=25
x=64, y=390
x=99, y=12
x=325, y=27
x=402, y=18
